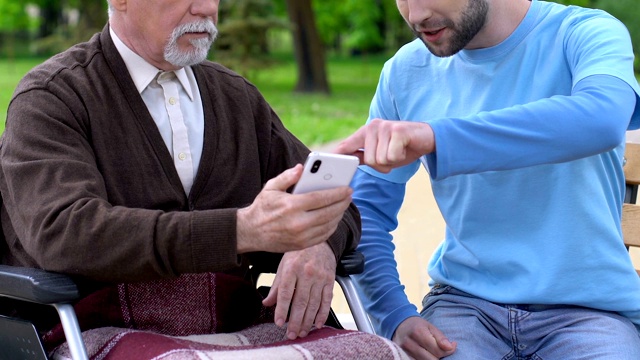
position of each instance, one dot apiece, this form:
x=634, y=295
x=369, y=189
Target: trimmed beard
x=472, y=21
x=181, y=58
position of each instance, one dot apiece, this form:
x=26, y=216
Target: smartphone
x=325, y=171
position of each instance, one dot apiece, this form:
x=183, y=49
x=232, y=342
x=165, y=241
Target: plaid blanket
x=264, y=342
x=202, y=316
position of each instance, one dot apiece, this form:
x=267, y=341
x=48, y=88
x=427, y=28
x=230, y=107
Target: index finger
x=352, y=145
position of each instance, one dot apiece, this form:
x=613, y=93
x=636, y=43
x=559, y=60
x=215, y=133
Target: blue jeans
x=490, y=331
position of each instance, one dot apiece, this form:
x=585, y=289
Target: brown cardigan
x=90, y=189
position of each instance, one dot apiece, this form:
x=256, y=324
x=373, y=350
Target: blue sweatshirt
x=527, y=170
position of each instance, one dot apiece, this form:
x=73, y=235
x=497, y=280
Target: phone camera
x=315, y=166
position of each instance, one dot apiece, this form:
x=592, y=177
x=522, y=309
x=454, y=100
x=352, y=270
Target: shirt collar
x=184, y=79
x=142, y=73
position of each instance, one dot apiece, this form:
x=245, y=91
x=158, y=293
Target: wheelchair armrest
x=351, y=263
x=36, y=285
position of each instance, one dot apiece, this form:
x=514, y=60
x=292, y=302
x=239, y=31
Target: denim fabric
x=490, y=331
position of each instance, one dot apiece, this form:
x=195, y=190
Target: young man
x=518, y=110
x=156, y=178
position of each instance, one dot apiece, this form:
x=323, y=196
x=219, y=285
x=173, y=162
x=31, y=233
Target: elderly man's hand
x=279, y=222
x=304, y=283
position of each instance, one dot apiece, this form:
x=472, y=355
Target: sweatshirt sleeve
x=379, y=285
x=591, y=120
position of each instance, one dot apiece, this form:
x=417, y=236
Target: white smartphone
x=325, y=171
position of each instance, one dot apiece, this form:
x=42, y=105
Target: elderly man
x=156, y=178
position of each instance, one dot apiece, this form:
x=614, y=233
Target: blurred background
x=316, y=62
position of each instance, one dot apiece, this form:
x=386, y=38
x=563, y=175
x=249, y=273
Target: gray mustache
x=197, y=26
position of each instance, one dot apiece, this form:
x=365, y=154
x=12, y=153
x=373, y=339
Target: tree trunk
x=308, y=48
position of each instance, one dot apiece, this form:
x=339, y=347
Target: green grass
x=315, y=119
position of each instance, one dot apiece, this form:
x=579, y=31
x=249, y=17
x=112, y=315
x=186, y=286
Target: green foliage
x=628, y=12
x=14, y=16
x=360, y=26
x=331, y=20
x=14, y=26
x=51, y=31
x=365, y=31
x=316, y=118
x=351, y=23
x=583, y=3
x=244, y=26
x=59, y=34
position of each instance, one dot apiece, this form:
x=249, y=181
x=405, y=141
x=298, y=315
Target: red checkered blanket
x=202, y=316
x=264, y=342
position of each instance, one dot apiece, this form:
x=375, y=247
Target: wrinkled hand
x=421, y=340
x=304, y=284
x=278, y=222
x=389, y=144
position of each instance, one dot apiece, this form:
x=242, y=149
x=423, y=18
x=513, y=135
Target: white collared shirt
x=143, y=75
